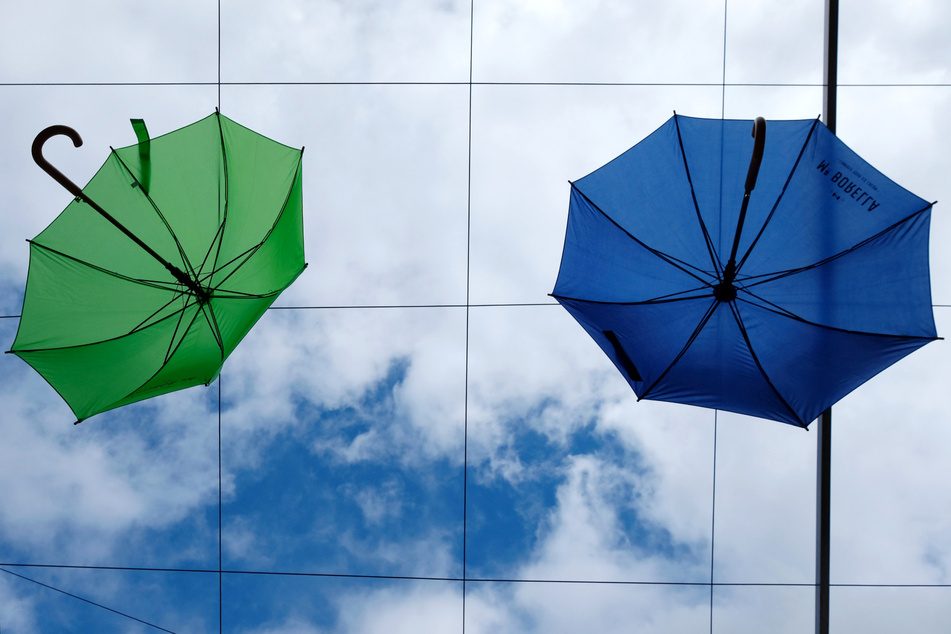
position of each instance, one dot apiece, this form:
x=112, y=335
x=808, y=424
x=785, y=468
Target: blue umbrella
x=769, y=286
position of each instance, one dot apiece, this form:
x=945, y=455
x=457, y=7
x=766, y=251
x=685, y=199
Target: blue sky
x=362, y=438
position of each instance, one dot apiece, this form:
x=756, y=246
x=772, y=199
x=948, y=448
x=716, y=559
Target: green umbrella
x=150, y=278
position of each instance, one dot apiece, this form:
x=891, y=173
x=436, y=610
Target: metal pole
x=824, y=431
x=824, y=466
x=830, y=75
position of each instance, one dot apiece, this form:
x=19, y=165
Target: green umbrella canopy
x=205, y=232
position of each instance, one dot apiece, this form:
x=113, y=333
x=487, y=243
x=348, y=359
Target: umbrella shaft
x=759, y=145
x=176, y=272
x=729, y=273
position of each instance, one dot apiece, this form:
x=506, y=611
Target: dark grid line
x=606, y=582
x=221, y=608
x=221, y=603
x=716, y=419
x=423, y=306
x=620, y=84
x=85, y=600
x=465, y=397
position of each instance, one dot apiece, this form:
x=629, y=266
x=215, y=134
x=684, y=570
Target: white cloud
x=421, y=608
x=379, y=502
x=883, y=43
x=78, y=488
x=240, y=542
x=291, y=625
x=17, y=609
x=71, y=42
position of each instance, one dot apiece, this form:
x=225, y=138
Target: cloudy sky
x=417, y=411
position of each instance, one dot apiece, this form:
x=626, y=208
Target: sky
x=416, y=410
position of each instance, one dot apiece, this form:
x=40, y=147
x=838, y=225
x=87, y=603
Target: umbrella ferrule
x=729, y=273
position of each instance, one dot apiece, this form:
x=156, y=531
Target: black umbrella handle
x=75, y=190
x=45, y=165
x=759, y=144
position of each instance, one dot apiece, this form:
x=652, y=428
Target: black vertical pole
x=830, y=75
x=824, y=466
x=824, y=440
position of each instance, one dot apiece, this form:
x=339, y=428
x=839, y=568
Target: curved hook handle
x=759, y=143
x=45, y=165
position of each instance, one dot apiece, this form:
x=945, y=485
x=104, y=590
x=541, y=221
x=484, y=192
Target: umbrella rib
x=159, y=284
x=250, y=251
x=115, y=338
x=228, y=294
x=158, y=212
x=212, y=322
x=759, y=366
x=782, y=312
x=246, y=255
x=217, y=240
x=141, y=325
x=711, y=249
x=665, y=299
x=683, y=351
x=216, y=243
x=779, y=198
x=171, y=350
x=687, y=268
x=145, y=322
x=243, y=254
x=171, y=343
x=770, y=277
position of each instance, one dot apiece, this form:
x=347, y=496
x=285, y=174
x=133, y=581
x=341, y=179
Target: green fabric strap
x=142, y=134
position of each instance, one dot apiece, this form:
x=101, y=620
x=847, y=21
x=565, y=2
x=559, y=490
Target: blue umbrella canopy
x=773, y=298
